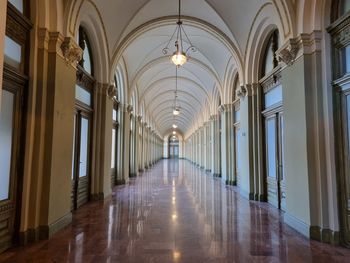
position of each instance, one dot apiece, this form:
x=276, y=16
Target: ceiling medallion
x=179, y=56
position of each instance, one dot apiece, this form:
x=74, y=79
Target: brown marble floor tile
x=176, y=213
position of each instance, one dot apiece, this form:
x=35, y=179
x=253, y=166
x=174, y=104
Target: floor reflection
x=175, y=212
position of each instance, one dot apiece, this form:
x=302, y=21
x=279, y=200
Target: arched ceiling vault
x=135, y=32
x=152, y=75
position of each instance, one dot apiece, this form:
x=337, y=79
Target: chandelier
x=176, y=109
x=180, y=55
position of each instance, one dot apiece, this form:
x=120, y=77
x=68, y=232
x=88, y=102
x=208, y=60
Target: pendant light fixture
x=176, y=109
x=180, y=55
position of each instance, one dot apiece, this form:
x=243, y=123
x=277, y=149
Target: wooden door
x=81, y=160
x=10, y=156
x=274, y=160
x=345, y=167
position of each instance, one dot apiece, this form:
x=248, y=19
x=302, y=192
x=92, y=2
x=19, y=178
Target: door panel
x=10, y=115
x=282, y=182
x=347, y=159
x=274, y=160
x=81, y=159
x=6, y=131
x=271, y=161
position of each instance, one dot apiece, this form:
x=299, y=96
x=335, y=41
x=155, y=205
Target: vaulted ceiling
x=219, y=29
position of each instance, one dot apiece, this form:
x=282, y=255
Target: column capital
x=225, y=108
x=71, y=51
x=112, y=92
x=305, y=43
x=214, y=117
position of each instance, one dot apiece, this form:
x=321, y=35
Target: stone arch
x=94, y=30
x=264, y=24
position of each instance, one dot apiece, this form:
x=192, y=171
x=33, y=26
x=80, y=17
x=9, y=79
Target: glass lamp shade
x=179, y=58
x=174, y=132
x=174, y=126
x=176, y=111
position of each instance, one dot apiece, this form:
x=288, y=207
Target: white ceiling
x=152, y=74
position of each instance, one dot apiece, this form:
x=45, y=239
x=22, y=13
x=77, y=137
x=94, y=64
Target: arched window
x=272, y=122
x=83, y=117
x=270, y=61
x=86, y=62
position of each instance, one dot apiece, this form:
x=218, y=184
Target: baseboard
x=120, y=182
x=132, y=175
x=325, y=235
x=59, y=224
x=244, y=193
x=44, y=232
x=97, y=196
x=297, y=224
x=29, y=236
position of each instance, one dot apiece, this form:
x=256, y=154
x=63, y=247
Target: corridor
x=174, y=212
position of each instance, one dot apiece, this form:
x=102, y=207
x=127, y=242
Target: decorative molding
x=297, y=224
x=271, y=81
x=84, y=79
x=241, y=92
x=225, y=108
x=72, y=53
x=288, y=52
x=340, y=32
x=112, y=93
x=129, y=109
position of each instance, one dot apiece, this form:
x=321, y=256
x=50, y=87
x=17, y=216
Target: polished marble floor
x=176, y=213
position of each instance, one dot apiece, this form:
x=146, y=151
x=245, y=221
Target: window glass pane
x=18, y=4
x=346, y=59
x=113, y=148
x=282, y=146
x=13, y=53
x=114, y=115
x=348, y=124
x=237, y=116
x=6, y=129
x=84, y=142
x=271, y=147
x=82, y=95
x=273, y=96
x=269, y=59
x=87, y=59
x=345, y=7
x=73, y=148
x=238, y=143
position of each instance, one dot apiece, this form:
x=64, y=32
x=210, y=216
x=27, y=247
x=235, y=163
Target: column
x=207, y=147
x=215, y=138
x=226, y=126
x=202, y=143
x=102, y=141
x=50, y=151
x=142, y=160
x=123, y=176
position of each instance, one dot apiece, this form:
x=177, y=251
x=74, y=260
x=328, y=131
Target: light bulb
x=179, y=58
x=176, y=111
x=174, y=126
